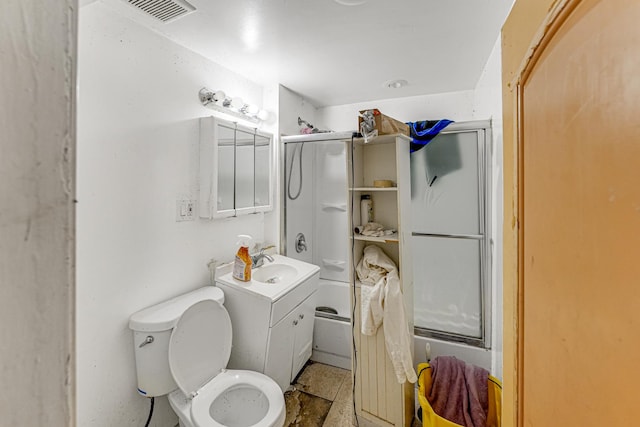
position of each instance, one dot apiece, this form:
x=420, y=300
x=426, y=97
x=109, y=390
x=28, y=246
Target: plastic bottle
x=242, y=264
x=366, y=209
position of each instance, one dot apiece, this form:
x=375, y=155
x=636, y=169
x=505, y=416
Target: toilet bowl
x=234, y=398
x=201, y=391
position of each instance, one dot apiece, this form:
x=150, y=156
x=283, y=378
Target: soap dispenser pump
x=242, y=264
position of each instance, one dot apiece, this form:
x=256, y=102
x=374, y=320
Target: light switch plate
x=185, y=210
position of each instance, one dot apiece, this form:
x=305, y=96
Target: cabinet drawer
x=291, y=299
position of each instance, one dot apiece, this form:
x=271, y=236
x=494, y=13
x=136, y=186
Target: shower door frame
x=485, y=153
x=316, y=138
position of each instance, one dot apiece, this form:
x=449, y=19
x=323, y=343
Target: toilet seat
x=200, y=345
x=264, y=388
x=199, y=350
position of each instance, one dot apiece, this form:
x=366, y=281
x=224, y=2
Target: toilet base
x=180, y=405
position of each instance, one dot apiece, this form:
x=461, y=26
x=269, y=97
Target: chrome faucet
x=258, y=259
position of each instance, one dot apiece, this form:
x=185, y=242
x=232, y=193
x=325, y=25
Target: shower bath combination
x=319, y=213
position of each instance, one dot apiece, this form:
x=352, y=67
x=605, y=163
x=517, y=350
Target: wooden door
x=572, y=152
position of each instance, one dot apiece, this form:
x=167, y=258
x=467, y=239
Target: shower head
x=305, y=123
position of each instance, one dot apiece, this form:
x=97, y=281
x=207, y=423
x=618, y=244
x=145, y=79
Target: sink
x=274, y=273
x=274, y=279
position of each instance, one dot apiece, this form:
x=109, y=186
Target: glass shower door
x=449, y=239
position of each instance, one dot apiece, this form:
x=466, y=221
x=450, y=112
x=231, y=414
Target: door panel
x=303, y=334
x=449, y=298
x=579, y=243
x=226, y=174
x=244, y=170
x=280, y=346
x=446, y=191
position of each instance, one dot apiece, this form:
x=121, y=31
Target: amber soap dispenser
x=242, y=264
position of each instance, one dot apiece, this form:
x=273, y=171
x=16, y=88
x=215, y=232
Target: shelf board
x=374, y=189
x=391, y=238
x=382, y=139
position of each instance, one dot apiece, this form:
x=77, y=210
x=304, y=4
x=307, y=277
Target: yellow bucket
x=431, y=419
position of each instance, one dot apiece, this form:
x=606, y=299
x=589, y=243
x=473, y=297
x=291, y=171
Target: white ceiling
x=334, y=54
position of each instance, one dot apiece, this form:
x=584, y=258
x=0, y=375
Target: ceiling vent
x=164, y=10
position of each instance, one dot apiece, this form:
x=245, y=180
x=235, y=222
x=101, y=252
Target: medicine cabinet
x=235, y=169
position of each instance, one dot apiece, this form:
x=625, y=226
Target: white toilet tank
x=151, y=332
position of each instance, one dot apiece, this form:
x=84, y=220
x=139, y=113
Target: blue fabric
x=424, y=131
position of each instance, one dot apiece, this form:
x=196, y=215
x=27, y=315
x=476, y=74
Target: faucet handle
x=267, y=248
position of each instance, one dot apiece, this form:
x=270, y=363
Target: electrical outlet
x=185, y=210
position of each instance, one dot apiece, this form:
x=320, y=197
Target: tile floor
x=321, y=397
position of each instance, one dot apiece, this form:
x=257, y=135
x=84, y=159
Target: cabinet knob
x=302, y=316
x=295, y=322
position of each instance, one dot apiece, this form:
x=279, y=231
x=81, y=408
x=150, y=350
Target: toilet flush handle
x=147, y=340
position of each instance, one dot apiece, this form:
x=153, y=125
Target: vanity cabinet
x=271, y=334
x=235, y=169
x=379, y=398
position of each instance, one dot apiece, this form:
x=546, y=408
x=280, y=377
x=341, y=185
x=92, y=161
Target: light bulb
x=219, y=96
x=263, y=115
x=237, y=103
x=252, y=109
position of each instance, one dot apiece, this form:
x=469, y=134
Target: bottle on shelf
x=366, y=209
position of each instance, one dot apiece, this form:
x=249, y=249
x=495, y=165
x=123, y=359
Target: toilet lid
x=200, y=345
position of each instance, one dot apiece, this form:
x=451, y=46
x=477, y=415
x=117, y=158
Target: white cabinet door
x=280, y=345
x=303, y=334
x=290, y=343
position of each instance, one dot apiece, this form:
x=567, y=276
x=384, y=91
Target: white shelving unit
x=391, y=238
x=379, y=399
x=372, y=189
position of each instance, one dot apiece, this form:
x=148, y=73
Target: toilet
x=182, y=347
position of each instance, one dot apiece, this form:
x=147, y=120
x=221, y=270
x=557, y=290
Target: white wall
x=37, y=191
x=270, y=102
x=137, y=154
x=292, y=106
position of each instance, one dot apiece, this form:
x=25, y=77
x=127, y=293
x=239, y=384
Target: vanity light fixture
x=235, y=107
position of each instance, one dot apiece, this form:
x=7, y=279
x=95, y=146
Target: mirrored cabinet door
x=263, y=172
x=225, y=169
x=235, y=169
x=244, y=171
